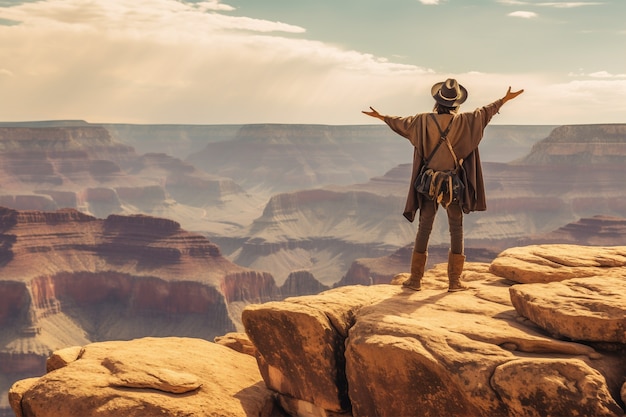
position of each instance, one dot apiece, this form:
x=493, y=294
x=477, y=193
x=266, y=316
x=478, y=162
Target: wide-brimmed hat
x=449, y=93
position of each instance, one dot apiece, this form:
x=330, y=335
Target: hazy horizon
x=222, y=62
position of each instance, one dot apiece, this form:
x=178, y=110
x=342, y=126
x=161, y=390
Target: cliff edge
x=540, y=332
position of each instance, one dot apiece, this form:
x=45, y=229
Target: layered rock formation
x=67, y=278
x=570, y=146
x=597, y=231
x=82, y=166
x=178, y=141
x=282, y=158
x=525, y=201
x=550, y=344
x=322, y=232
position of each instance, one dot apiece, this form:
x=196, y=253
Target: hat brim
x=448, y=103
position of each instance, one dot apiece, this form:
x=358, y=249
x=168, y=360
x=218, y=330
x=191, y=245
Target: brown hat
x=449, y=93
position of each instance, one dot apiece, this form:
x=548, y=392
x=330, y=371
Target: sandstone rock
x=426, y=353
x=63, y=357
x=548, y=263
x=133, y=375
x=540, y=382
x=585, y=309
x=300, y=343
x=149, y=377
x=16, y=393
x=239, y=342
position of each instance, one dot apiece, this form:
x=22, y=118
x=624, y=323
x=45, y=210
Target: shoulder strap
x=443, y=133
x=442, y=138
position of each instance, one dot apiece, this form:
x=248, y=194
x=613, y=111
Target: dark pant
x=426, y=219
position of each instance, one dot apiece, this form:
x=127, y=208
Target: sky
x=308, y=61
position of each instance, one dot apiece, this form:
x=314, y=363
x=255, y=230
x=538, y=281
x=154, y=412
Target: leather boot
x=418, y=263
x=455, y=268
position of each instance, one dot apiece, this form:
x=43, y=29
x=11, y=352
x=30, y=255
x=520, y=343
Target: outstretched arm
x=374, y=113
x=510, y=95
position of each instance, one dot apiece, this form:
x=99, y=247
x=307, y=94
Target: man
x=463, y=132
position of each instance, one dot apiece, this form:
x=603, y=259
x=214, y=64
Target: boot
x=455, y=267
x=418, y=263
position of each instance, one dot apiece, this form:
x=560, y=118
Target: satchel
x=423, y=181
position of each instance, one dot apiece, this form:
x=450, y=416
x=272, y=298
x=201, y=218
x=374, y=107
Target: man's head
x=449, y=93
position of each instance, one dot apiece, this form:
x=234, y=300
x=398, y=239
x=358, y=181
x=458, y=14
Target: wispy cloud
x=559, y=5
x=523, y=14
x=215, y=5
x=431, y=2
x=598, y=75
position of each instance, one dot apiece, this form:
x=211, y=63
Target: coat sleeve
x=481, y=118
x=403, y=126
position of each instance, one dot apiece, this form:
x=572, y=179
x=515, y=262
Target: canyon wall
x=68, y=278
x=278, y=158
x=525, y=200
x=263, y=194
x=84, y=167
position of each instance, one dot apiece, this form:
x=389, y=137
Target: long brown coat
x=465, y=135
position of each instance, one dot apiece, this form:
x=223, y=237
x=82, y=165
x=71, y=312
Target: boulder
x=239, y=342
x=549, y=263
x=540, y=382
x=60, y=358
x=17, y=392
x=148, y=377
x=301, y=343
x=582, y=309
x=387, y=351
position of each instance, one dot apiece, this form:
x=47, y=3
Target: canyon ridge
x=242, y=214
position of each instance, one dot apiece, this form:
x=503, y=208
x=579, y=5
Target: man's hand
x=510, y=95
x=374, y=113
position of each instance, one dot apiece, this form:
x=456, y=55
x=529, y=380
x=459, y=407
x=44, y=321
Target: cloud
x=163, y=60
x=523, y=14
x=430, y=2
x=598, y=74
x=568, y=5
x=559, y=5
x=139, y=16
x=214, y=5
x=166, y=61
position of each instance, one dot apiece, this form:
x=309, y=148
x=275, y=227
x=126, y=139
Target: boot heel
x=455, y=268
x=418, y=263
